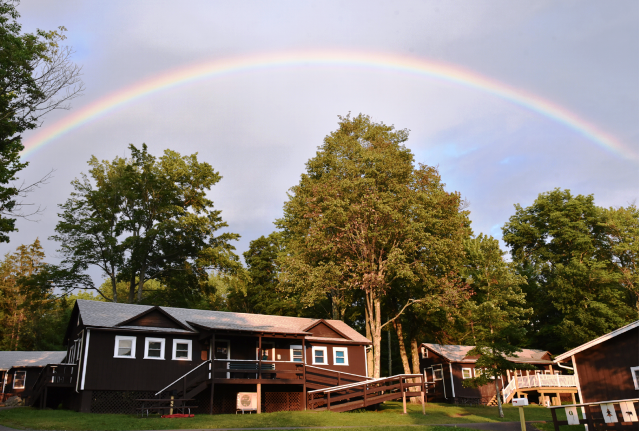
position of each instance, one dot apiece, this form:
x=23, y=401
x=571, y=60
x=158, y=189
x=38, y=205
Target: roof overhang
x=595, y=342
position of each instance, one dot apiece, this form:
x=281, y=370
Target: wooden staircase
x=367, y=393
x=54, y=377
x=188, y=385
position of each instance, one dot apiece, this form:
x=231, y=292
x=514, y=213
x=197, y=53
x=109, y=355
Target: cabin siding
x=357, y=360
x=604, y=370
x=156, y=319
x=104, y=372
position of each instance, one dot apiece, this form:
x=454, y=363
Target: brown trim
x=150, y=310
x=319, y=321
x=142, y=329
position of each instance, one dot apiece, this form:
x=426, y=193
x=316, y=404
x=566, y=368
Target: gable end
x=154, y=317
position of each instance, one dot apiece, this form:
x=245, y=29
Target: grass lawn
x=389, y=413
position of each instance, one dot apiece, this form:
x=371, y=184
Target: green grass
x=390, y=414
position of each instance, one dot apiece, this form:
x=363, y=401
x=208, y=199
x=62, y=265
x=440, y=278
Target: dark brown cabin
x=607, y=367
x=20, y=370
x=446, y=367
x=120, y=353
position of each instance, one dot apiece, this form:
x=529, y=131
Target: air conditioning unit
x=247, y=401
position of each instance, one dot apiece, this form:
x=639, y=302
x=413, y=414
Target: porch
x=543, y=385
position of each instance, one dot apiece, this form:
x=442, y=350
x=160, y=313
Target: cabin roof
x=597, y=341
x=29, y=359
x=458, y=353
x=109, y=315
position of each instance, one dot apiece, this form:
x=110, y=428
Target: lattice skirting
x=118, y=401
x=282, y=401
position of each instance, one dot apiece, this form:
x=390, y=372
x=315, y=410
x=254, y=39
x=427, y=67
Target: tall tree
x=496, y=316
x=364, y=218
x=576, y=285
x=36, y=77
x=144, y=218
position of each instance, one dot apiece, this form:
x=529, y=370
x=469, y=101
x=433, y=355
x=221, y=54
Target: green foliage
x=31, y=318
x=581, y=267
x=364, y=219
x=36, y=77
x=142, y=219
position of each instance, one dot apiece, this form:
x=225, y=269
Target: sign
x=628, y=411
x=247, y=401
x=609, y=413
x=572, y=416
x=519, y=402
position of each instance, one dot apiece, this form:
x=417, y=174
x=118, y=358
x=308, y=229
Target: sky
x=508, y=99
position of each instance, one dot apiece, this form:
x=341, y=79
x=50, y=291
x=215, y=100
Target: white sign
x=628, y=411
x=572, y=416
x=609, y=413
x=247, y=401
x=519, y=402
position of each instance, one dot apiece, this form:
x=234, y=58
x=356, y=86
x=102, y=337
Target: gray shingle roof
x=10, y=359
x=109, y=314
x=457, y=353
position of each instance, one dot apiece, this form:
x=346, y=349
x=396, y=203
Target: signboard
x=572, y=416
x=628, y=411
x=247, y=401
x=519, y=402
x=609, y=413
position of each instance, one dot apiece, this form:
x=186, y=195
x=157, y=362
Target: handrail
x=182, y=377
x=595, y=403
x=350, y=385
x=334, y=371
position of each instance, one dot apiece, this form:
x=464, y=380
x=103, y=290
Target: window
x=636, y=376
x=154, y=348
x=125, y=347
x=466, y=373
x=181, y=350
x=296, y=354
x=425, y=352
x=319, y=355
x=340, y=356
x=437, y=374
x=18, y=379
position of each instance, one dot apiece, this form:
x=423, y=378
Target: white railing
x=546, y=380
x=508, y=390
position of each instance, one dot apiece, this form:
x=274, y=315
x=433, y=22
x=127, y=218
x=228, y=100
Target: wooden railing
x=366, y=393
x=58, y=375
x=248, y=369
x=547, y=380
x=318, y=378
x=622, y=414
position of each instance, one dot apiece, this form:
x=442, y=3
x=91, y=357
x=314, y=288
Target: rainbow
x=392, y=62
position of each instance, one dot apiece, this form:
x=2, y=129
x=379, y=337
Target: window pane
x=297, y=355
x=182, y=350
x=124, y=347
x=339, y=357
x=19, y=379
x=155, y=349
x=319, y=356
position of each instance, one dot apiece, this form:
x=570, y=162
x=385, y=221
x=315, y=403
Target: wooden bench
x=251, y=368
x=468, y=401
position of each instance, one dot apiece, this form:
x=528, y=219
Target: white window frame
x=313, y=355
x=425, y=353
x=148, y=340
x=434, y=369
x=346, y=355
x=117, y=346
x=24, y=380
x=470, y=373
x=175, y=345
x=634, y=374
x=296, y=347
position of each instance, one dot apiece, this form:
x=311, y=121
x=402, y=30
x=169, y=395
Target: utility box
x=519, y=402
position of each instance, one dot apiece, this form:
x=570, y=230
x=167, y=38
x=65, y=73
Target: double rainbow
x=396, y=63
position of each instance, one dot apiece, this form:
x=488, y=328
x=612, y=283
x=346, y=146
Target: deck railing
x=547, y=380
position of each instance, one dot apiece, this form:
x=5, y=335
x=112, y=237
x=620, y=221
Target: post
x=339, y=381
x=558, y=399
x=523, y=424
x=556, y=427
x=328, y=401
x=422, y=397
x=184, y=387
x=259, y=386
x=212, y=368
x=304, y=374
x=404, y=397
x=573, y=398
x=44, y=400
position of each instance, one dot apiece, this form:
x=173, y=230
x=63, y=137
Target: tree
x=363, y=218
x=36, y=77
x=495, y=313
x=144, y=218
x=576, y=265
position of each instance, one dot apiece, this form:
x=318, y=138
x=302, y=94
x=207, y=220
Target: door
x=222, y=352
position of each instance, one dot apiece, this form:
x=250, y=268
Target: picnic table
x=467, y=401
x=160, y=405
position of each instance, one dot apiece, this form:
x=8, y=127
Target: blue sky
x=258, y=128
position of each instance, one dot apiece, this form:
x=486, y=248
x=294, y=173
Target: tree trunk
x=375, y=321
x=132, y=289
x=369, y=351
x=495, y=381
x=143, y=273
x=415, y=362
x=403, y=351
x=114, y=286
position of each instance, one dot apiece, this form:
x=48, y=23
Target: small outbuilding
x=607, y=367
x=20, y=370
